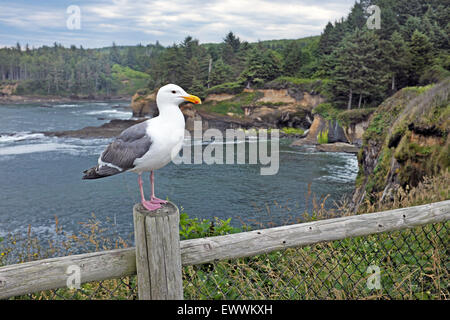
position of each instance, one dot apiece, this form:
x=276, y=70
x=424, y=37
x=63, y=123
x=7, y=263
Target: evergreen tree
x=220, y=73
x=198, y=88
x=412, y=24
x=389, y=20
x=131, y=59
x=357, y=17
x=359, y=69
x=397, y=57
x=231, y=48
x=421, y=49
x=114, y=54
x=261, y=67
x=232, y=41
x=327, y=41
x=294, y=59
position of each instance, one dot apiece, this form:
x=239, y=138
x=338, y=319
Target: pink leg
x=147, y=204
x=154, y=199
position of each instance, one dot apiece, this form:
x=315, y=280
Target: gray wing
x=130, y=145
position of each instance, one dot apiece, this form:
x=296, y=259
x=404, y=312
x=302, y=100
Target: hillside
x=406, y=140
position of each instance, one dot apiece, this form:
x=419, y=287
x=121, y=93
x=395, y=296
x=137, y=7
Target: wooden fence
x=159, y=255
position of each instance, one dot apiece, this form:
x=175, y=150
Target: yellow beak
x=193, y=99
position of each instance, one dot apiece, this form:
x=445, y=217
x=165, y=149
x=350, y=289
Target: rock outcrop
x=348, y=127
x=318, y=125
x=355, y=131
x=337, y=147
x=330, y=128
x=144, y=104
x=108, y=130
x=7, y=89
x=211, y=120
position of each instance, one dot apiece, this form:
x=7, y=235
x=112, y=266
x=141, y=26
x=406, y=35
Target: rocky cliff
x=268, y=108
x=341, y=134
x=406, y=139
x=143, y=103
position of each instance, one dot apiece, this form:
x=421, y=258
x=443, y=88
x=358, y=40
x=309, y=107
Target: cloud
x=130, y=22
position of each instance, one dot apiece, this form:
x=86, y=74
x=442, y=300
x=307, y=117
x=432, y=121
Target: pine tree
x=233, y=41
x=357, y=17
x=231, y=49
x=131, y=59
x=397, y=57
x=198, y=88
x=327, y=40
x=359, y=69
x=220, y=73
x=294, y=59
x=253, y=73
x=421, y=49
x=114, y=54
x=261, y=67
x=389, y=19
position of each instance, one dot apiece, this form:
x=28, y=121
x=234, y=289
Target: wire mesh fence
x=407, y=264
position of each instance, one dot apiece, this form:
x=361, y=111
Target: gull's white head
x=171, y=94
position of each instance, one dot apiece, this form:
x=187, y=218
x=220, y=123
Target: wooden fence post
x=158, y=255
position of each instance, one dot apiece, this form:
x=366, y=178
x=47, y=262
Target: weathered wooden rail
x=159, y=255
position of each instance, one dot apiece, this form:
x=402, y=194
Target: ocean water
x=40, y=177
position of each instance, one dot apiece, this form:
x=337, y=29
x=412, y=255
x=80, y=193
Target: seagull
x=149, y=145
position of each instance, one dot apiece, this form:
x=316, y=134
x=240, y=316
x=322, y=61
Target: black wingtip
x=91, y=174
x=99, y=172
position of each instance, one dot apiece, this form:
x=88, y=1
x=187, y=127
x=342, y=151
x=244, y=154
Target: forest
x=359, y=66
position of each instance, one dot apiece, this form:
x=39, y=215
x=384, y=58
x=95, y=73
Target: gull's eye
x=173, y=91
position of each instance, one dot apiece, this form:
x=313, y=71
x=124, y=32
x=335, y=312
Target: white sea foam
x=346, y=172
x=112, y=112
x=26, y=143
x=20, y=136
x=32, y=148
x=298, y=152
x=196, y=142
x=66, y=106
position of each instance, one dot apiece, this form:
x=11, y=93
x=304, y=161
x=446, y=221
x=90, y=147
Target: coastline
x=114, y=127
x=14, y=99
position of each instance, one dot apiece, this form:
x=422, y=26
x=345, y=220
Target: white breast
x=167, y=140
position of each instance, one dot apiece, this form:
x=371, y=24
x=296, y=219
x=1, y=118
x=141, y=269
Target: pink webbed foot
x=157, y=200
x=150, y=206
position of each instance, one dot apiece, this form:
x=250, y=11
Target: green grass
x=233, y=105
x=294, y=80
x=125, y=73
x=353, y=116
x=305, y=84
x=322, y=137
x=376, y=126
x=129, y=81
x=225, y=107
x=326, y=111
x=344, y=117
x=228, y=87
x=420, y=89
x=292, y=131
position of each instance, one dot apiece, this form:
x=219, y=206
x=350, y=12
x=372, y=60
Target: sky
x=128, y=22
